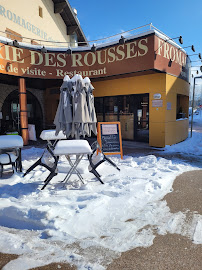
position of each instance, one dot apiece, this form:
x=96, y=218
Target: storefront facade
x=141, y=81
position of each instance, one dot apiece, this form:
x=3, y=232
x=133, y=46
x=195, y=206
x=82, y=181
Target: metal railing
x=64, y=44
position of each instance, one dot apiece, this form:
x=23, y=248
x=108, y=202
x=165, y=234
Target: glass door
x=126, y=117
x=142, y=117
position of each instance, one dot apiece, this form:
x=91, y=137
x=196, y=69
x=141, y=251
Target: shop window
x=99, y=108
x=40, y=12
x=74, y=40
x=182, y=106
x=125, y=104
x=111, y=109
x=13, y=35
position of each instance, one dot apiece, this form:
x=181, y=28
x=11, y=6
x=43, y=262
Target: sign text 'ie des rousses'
x=135, y=55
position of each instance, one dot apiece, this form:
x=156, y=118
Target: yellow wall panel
x=164, y=129
x=157, y=135
x=153, y=83
x=171, y=113
x=176, y=131
x=176, y=85
x=157, y=114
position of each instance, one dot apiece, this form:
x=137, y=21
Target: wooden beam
x=58, y=7
x=23, y=110
x=71, y=29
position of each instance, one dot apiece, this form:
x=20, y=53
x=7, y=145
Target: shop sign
x=134, y=55
x=157, y=103
x=157, y=96
x=116, y=59
x=171, y=59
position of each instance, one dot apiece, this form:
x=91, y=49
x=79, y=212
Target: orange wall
x=163, y=127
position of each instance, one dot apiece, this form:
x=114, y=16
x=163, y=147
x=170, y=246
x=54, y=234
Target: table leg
x=77, y=172
x=19, y=160
x=73, y=168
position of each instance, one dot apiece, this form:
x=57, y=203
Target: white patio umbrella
x=75, y=115
x=91, y=107
x=63, y=117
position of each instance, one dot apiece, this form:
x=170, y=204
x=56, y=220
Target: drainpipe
x=23, y=110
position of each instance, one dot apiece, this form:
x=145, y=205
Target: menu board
x=109, y=138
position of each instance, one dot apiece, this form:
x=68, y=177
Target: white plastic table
x=49, y=135
x=12, y=143
x=69, y=148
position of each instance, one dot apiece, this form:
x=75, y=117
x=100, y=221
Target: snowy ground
x=91, y=224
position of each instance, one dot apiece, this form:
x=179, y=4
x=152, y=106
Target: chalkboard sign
x=109, y=138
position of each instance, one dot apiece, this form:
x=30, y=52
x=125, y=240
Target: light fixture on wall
x=122, y=40
x=180, y=39
x=16, y=43
x=69, y=51
x=197, y=71
x=93, y=48
x=43, y=50
x=170, y=61
x=192, y=47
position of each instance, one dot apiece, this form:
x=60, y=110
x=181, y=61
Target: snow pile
x=90, y=224
x=192, y=145
x=106, y=219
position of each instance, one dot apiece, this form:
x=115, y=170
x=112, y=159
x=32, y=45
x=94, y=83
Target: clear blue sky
x=104, y=18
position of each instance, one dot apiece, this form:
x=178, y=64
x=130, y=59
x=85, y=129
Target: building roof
x=70, y=19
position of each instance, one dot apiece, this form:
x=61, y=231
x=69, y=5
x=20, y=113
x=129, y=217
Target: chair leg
x=112, y=163
x=52, y=173
x=13, y=167
x=38, y=162
x=97, y=175
x=48, y=179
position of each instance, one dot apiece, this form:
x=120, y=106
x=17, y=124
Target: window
x=74, y=40
x=40, y=12
x=13, y=35
x=182, y=106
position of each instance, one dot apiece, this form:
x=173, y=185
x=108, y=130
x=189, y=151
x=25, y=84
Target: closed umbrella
x=91, y=108
x=63, y=117
x=75, y=114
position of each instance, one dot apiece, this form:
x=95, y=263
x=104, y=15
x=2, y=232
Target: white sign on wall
x=157, y=96
x=168, y=105
x=157, y=103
